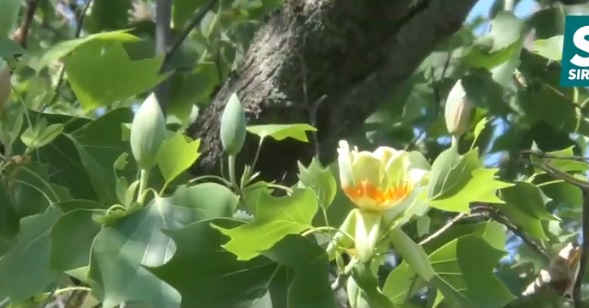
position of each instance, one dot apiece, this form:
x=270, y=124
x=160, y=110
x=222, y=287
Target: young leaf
x=176, y=155
x=320, y=180
x=282, y=131
x=114, y=75
x=550, y=48
x=41, y=134
x=456, y=180
x=275, y=218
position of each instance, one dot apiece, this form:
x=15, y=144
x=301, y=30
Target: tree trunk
x=354, y=54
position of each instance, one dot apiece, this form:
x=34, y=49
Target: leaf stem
x=72, y=288
x=212, y=177
x=143, y=181
x=231, y=168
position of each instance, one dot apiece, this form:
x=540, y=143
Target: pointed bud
x=233, y=126
x=458, y=111
x=148, y=132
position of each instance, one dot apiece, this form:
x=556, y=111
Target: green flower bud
x=233, y=126
x=148, y=132
x=458, y=111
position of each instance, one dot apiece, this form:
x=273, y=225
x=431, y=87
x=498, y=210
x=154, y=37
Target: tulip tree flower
x=381, y=184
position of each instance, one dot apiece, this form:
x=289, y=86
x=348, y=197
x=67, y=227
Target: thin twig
x=163, y=38
x=22, y=33
x=79, y=26
x=540, y=154
x=498, y=217
x=195, y=21
x=443, y=229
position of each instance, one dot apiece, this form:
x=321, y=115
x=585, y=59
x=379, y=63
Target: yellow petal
x=417, y=177
x=384, y=154
x=344, y=160
x=366, y=167
x=395, y=170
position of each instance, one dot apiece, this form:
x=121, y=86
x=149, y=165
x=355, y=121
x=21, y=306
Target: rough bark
x=356, y=53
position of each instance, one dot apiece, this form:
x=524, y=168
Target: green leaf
x=121, y=250
x=210, y=199
x=506, y=30
x=365, y=277
x=188, y=88
x=198, y=244
x=9, y=220
x=292, y=280
x=320, y=180
x=499, y=45
x=107, y=15
x=525, y=206
x=71, y=239
x=529, y=199
x=41, y=135
x=275, y=218
x=564, y=165
x=464, y=271
x=24, y=270
x=564, y=195
x=101, y=179
x=30, y=188
x=148, y=132
x=310, y=285
x=456, y=180
x=176, y=155
x=8, y=47
x=282, y=131
x=8, y=16
x=99, y=145
x=492, y=232
x=40, y=59
x=550, y=49
x=182, y=11
x=481, y=125
x=114, y=75
x=465, y=266
x=485, y=92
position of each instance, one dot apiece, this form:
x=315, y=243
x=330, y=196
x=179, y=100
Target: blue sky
x=524, y=8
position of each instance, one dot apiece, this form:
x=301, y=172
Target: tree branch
x=495, y=215
x=356, y=54
x=584, y=186
x=81, y=16
x=163, y=39
x=193, y=23
x=22, y=33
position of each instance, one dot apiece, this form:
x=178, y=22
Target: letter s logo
x=582, y=43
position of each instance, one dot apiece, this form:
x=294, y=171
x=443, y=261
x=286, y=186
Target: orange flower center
x=364, y=189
